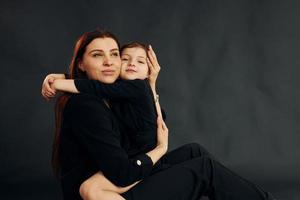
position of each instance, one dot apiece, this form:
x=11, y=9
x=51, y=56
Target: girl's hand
x=162, y=134
x=153, y=66
x=47, y=91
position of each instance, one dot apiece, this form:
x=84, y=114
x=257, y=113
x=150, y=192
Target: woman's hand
x=153, y=66
x=162, y=134
x=47, y=91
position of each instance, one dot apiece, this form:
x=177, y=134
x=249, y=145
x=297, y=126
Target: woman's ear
x=80, y=65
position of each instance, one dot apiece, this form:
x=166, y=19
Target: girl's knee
x=88, y=191
x=84, y=190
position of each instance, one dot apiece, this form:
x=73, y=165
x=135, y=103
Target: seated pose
x=93, y=157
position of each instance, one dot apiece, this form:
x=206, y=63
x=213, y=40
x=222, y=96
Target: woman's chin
x=108, y=79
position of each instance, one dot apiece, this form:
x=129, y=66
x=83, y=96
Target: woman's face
x=134, y=64
x=101, y=60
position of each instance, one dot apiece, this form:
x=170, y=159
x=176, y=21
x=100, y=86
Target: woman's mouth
x=108, y=72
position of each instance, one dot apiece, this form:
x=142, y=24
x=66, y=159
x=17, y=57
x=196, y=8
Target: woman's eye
x=124, y=59
x=115, y=54
x=142, y=62
x=97, y=55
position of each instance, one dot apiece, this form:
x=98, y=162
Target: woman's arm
x=103, y=189
x=93, y=127
x=162, y=141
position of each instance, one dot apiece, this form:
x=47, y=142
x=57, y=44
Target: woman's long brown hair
x=74, y=73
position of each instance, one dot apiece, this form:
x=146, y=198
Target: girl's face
x=101, y=60
x=134, y=64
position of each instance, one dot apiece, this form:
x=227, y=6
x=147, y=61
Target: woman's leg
x=194, y=178
x=185, y=153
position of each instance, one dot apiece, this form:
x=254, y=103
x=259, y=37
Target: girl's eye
x=125, y=59
x=142, y=62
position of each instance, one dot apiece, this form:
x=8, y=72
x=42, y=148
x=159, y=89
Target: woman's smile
x=108, y=72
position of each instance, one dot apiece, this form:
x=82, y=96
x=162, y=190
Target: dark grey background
x=229, y=80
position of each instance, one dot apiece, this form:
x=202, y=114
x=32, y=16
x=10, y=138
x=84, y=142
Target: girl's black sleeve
x=96, y=132
x=121, y=89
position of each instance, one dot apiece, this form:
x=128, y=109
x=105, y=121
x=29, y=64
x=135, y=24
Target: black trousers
x=190, y=172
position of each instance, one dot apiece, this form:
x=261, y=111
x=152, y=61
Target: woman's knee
x=197, y=150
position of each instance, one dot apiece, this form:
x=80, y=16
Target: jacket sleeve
x=129, y=89
x=94, y=128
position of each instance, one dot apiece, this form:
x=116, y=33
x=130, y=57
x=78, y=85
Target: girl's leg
x=102, y=195
x=98, y=187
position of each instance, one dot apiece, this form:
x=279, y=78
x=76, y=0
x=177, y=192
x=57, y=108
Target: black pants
x=189, y=172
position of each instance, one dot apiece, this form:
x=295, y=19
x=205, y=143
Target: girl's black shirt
x=133, y=104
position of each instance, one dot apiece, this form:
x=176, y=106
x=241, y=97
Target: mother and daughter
x=111, y=140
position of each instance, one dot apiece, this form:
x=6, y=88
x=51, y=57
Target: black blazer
x=91, y=141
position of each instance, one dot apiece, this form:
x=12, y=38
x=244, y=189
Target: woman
x=90, y=141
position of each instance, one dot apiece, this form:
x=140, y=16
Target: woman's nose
x=107, y=61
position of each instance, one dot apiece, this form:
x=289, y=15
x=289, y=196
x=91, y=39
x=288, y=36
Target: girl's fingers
x=152, y=52
x=150, y=65
x=48, y=94
x=151, y=57
x=48, y=88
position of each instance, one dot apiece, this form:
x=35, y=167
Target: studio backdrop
x=229, y=80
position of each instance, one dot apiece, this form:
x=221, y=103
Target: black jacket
x=91, y=141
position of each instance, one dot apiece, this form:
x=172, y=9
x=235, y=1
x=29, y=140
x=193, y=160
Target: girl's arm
x=64, y=85
x=120, y=89
x=47, y=92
